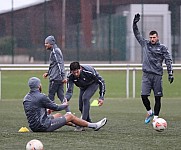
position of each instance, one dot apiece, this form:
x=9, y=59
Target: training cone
x=23, y=129
x=94, y=103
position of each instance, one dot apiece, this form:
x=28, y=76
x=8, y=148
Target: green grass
x=125, y=129
x=14, y=84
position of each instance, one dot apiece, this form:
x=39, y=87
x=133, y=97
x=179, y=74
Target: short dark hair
x=153, y=32
x=74, y=66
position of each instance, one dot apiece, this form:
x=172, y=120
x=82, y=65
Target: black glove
x=136, y=18
x=170, y=78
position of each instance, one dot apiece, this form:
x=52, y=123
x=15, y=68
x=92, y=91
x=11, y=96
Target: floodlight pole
x=63, y=23
x=0, y=84
x=12, y=31
x=142, y=27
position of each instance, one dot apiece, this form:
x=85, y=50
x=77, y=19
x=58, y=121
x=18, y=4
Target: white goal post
x=103, y=67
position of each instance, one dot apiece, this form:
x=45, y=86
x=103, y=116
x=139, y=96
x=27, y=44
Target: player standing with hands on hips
x=56, y=71
x=153, y=55
x=88, y=80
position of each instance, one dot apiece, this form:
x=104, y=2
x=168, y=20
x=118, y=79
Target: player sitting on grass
x=36, y=105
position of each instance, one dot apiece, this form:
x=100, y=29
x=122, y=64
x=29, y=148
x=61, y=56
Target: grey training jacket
x=56, y=69
x=153, y=55
x=35, y=107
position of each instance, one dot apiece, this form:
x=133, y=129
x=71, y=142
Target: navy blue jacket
x=88, y=76
x=35, y=107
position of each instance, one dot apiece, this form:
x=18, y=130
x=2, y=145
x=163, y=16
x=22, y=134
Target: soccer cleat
x=100, y=124
x=79, y=129
x=148, y=118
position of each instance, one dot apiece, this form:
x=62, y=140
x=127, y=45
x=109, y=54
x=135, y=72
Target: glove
x=170, y=78
x=136, y=18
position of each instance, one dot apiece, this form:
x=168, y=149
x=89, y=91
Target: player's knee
x=144, y=97
x=57, y=115
x=69, y=117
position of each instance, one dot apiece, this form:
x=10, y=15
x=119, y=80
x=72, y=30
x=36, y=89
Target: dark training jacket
x=153, y=55
x=56, y=68
x=88, y=76
x=35, y=106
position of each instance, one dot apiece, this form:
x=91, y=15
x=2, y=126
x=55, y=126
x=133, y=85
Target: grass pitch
x=125, y=129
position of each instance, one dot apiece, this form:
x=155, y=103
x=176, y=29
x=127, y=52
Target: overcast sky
x=6, y=5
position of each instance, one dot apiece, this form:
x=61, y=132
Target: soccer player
x=88, y=80
x=56, y=71
x=153, y=55
x=36, y=105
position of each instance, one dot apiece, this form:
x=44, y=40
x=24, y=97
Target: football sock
x=92, y=125
x=150, y=112
x=155, y=117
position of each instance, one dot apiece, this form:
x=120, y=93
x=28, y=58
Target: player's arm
x=168, y=62
x=95, y=76
x=47, y=103
x=60, y=62
x=136, y=31
x=70, y=87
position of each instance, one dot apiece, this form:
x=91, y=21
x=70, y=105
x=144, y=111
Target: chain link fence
x=90, y=30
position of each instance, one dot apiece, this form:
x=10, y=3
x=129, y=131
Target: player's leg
x=57, y=123
x=58, y=115
x=80, y=122
x=60, y=91
x=89, y=92
x=60, y=94
x=158, y=92
x=53, y=87
x=146, y=90
x=157, y=107
x=81, y=92
x=81, y=104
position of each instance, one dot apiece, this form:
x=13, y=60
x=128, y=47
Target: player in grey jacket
x=56, y=71
x=36, y=105
x=154, y=54
x=88, y=80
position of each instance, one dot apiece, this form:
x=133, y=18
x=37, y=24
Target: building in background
x=91, y=30
x=153, y=17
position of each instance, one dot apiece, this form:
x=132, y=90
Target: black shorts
x=152, y=82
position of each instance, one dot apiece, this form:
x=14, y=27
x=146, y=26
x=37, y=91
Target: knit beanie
x=50, y=39
x=34, y=83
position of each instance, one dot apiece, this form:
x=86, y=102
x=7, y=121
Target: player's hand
x=65, y=102
x=136, y=18
x=100, y=102
x=45, y=75
x=170, y=78
x=49, y=111
x=64, y=81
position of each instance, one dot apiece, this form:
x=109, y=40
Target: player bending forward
x=36, y=105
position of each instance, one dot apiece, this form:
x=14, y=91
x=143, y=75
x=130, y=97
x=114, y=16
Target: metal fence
x=128, y=68
x=91, y=30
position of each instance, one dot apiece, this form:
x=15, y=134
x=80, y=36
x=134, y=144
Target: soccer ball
x=160, y=124
x=34, y=145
